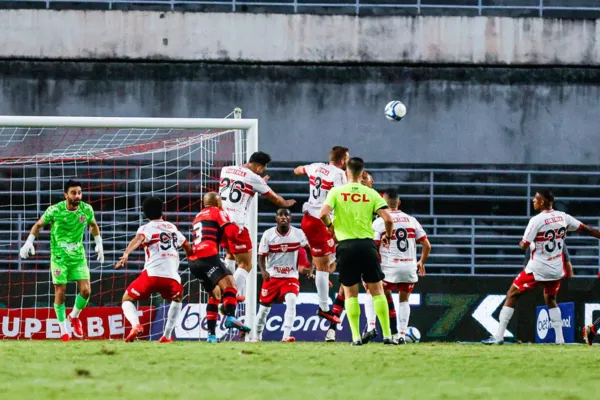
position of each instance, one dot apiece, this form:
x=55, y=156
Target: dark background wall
x=456, y=115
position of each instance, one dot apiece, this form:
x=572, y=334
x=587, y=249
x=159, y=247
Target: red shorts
x=143, y=287
x=242, y=243
x=400, y=287
x=320, y=240
x=525, y=281
x=276, y=288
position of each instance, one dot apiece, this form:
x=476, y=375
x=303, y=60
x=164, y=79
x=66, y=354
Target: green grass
x=308, y=371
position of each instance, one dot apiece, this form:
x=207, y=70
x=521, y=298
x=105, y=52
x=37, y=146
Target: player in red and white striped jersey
x=322, y=177
x=399, y=265
x=278, y=261
x=545, y=235
x=237, y=186
x=161, y=242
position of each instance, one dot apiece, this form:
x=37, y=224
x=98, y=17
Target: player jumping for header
x=161, y=241
x=237, y=186
x=545, y=235
x=278, y=260
x=69, y=219
x=322, y=178
x=209, y=225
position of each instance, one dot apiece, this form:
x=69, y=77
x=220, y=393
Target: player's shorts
x=525, y=281
x=320, y=240
x=358, y=259
x=144, y=285
x=209, y=271
x=61, y=273
x=399, y=286
x=242, y=243
x=275, y=289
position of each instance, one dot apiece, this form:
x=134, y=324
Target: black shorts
x=358, y=260
x=209, y=271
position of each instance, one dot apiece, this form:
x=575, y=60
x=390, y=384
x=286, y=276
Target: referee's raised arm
x=353, y=206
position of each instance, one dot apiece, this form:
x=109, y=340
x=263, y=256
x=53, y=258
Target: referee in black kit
x=353, y=205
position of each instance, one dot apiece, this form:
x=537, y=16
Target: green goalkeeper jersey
x=66, y=234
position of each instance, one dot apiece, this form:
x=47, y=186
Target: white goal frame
x=238, y=124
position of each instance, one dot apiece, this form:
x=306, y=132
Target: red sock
x=338, y=305
x=392, y=308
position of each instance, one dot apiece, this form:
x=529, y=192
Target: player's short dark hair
x=547, y=194
x=337, y=154
x=283, y=211
x=355, y=165
x=72, y=183
x=260, y=158
x=152, y=207
x=392, y=193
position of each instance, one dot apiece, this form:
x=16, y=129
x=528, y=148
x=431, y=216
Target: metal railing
x=464, y=241
x=540, y=8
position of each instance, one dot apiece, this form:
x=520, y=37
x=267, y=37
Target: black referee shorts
x=358, y=260
x=209, y=271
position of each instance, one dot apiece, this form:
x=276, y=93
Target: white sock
x=370, y=313
x=75, y=312
x=64, y=328
x=290, y=314
x=130, y=313
x=239, y=276
x=230, y=264
x=322, y=282
x=403, y=316
x=505, y=315
x=261, y=319
x=556, y=321
x=174, y=310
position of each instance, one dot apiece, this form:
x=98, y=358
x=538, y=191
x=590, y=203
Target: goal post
x=119, y=161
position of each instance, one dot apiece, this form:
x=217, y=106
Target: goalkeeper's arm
x=95, y=229
x=28, y=249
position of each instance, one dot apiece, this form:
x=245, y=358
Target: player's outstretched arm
x=28, y=249
x=324, y=215
x=134, y=244
x=589, y=230
x=187, y=247
x=95, y=229
x=300, y=170
x=278, y=200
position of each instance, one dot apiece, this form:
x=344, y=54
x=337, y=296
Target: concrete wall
x=48, y=34
x=455, y=115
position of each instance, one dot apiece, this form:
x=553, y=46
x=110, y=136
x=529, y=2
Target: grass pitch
x=307, y=371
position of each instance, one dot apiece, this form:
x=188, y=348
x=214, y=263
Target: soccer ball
x=412, y=335
x=395, y=110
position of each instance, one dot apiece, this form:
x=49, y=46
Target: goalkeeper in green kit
x=69, y=219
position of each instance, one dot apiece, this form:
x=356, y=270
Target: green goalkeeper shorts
x=61, y=274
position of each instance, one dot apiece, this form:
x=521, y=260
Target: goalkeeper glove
x=99, y=248
x=28, y=249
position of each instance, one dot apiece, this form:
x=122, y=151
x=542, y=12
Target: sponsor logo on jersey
x=356, y=197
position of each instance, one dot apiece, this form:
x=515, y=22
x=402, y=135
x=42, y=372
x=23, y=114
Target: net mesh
x=118, y=169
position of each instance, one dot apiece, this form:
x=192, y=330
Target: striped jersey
x=322, y=178
x=237, y=186
x=282, y=251
x=162, y=241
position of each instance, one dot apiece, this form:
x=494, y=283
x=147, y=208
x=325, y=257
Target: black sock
x=333, y=326
x=212, y=326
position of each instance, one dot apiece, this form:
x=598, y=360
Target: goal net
x=120, y=161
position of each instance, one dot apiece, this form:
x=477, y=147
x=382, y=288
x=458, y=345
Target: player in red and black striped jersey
x=208, y=227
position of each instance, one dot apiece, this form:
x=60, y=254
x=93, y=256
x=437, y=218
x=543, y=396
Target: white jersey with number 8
x=162, y=241
x=322, y=178
x=545, y=235
x=399, y=261
x=237, y=187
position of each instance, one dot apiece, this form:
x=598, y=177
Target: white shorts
x=397, y=274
